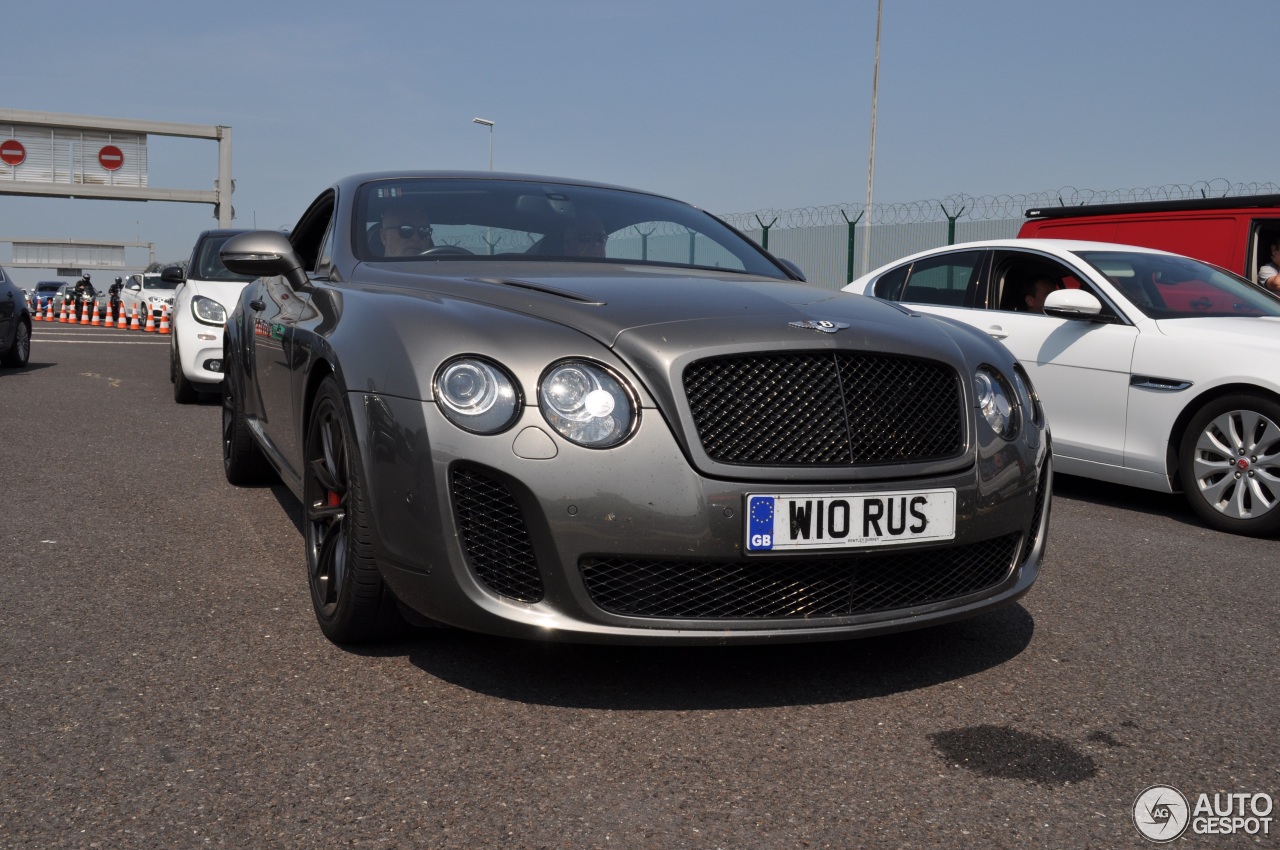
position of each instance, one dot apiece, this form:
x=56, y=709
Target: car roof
x=1056, y=247
x=375, y=176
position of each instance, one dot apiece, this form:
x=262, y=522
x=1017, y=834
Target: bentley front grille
x=796, y=588
x=825, y=409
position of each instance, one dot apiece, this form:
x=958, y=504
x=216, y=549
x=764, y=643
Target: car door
x=1081, y=368
x=9, y=298
x=275, y=309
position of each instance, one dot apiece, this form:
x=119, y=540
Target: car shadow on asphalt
x=682, y=678
x=1171, y=505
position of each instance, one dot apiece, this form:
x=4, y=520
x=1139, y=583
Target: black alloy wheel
x=352, y=603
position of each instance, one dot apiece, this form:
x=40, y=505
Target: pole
x=225, y=184
x=871, y=151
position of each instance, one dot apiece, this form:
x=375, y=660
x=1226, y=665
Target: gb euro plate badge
x=825, y=521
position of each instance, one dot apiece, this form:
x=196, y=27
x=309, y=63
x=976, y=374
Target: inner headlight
x=476, y=395
x=995, y=401
x=587, y=404
x=208, y=311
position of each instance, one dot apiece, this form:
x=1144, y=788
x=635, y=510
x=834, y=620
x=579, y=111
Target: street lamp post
x=487, y=123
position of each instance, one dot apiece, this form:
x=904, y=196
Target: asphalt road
x=163, y=683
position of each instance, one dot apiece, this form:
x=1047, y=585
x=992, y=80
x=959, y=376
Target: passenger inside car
x=1025, y=290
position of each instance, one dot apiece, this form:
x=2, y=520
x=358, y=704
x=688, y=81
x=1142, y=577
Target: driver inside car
x=406, y=232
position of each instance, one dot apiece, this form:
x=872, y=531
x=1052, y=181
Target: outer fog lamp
x=208, y=311
x=476, y=395
x=586, y=404
x=995, y=403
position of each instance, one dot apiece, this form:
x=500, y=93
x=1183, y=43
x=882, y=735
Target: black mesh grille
x=494, y=537
x=825, y=409
x=796, y=588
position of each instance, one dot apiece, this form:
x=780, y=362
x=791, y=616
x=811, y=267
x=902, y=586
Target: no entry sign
x=12, y=152
x=110, y=157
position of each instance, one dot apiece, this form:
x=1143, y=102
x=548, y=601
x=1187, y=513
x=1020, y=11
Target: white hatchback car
x=1155, y=370
x=204, y=298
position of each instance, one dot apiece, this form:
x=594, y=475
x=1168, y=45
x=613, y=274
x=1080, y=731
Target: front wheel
x=183, y=391
x=352, y=603
x=1229, y=464
x=20, y=351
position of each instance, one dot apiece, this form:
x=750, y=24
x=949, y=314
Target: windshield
x=208, y=261
x=468, y=219
x=150, y=282
x=1171, y=287
x=48, y=287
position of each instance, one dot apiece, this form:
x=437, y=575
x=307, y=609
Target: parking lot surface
x=163, y=682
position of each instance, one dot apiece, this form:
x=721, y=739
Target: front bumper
x=525, y=535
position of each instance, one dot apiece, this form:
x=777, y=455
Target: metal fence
x=831, y=243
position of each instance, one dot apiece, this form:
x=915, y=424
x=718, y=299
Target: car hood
x=1249, y=331
x=620, y=305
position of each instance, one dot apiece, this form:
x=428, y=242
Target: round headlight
x=995, y=402
x=476, y=395
x=586, y=404
x=208, y=311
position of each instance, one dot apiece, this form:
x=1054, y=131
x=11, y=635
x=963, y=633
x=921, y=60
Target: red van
x=1231, y=232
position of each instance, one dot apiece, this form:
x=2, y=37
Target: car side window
x=324, y=258
x=889, y=284
x=1020, y=282
x=946, y=280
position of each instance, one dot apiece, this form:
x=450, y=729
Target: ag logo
x=1161, y=813
x=820, y=325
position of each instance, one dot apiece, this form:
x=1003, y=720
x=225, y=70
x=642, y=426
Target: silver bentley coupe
x=550, y=408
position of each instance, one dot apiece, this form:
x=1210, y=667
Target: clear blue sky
x=734, y=106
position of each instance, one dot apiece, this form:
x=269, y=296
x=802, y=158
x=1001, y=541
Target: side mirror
x=265, y=253
x=1072, y=304
x=172, y=274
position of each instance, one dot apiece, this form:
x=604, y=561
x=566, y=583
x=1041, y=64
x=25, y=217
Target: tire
x=1229, y=464
x=183, y=391
x=243, y=462
x=20, y=351
x=351, y=601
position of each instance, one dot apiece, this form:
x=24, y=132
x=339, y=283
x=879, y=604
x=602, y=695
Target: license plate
x=820, y=521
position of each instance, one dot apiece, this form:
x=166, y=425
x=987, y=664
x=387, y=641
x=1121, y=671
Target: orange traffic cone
x=62, y=316
x=35, y=315
x=48, y=311
x=108, y=321
x=133, y=319
x=84, y=312
x=122, y=323
x=151, y=322
x=96, y=320
x=164, y=320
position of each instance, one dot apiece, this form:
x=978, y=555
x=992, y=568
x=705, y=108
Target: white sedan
x=1156, y=370
x=146, y=293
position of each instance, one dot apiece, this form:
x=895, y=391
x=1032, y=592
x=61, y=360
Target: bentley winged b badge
x=820, y=325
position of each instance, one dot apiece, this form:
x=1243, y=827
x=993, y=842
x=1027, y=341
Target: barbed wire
x=984, y=207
